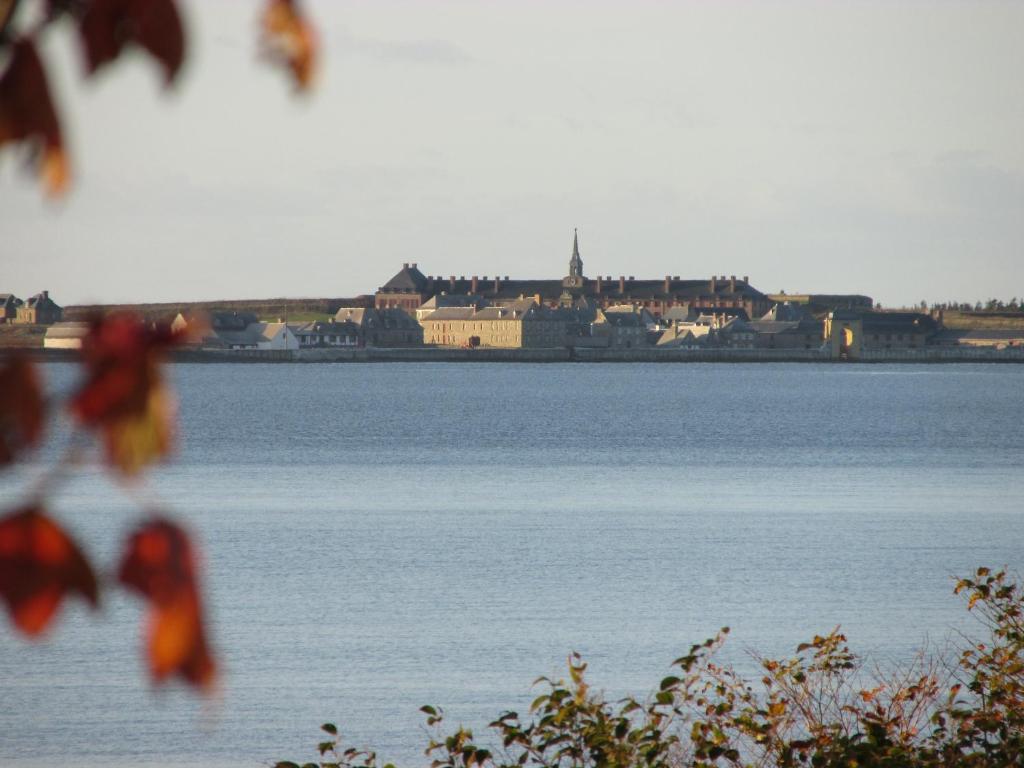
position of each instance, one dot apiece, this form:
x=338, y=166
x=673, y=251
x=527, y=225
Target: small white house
x=259, y=336
x=65, y=335
x=274, y=336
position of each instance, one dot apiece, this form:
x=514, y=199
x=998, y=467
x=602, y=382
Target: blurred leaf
x=330, y=728
x=21, y=407
x=123, y=395
x=159, y=563
x=39, y=564
x=27, y=115
x=107, y=26
x=288, y=39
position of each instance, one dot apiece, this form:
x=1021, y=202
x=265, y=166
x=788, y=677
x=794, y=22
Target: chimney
x=714, y=283
x=497, y=284
x=598, y=283
x=405, y=265
x=622, y=283
x=668, y=283
x=451, y=283
x=414, y=265
x=505, y=278
x=473, y=283
x=732, y=283
x=536, y=298
x=746, y=280
x=45, y=295
x=676, y=277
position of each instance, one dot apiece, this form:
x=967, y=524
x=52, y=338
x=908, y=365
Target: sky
x=830, y=147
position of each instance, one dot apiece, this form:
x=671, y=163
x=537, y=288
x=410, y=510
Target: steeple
x=576, y=263
x=575, y=279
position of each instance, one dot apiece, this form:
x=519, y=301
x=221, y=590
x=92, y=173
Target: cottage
x=39, y=310
x=327, y=333
x=9, y=304
x=257, y=336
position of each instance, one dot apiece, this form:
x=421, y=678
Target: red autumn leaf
x=39, y=564
x=21, y=407
x=107, y=26
x=288, y=38
x=27, y=115
x=124, y=396
x=159, y=563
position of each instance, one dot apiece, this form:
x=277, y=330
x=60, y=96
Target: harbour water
x=378, y=537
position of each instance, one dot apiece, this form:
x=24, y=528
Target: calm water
x=379, y=537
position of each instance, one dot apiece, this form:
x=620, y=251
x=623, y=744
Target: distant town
x=422, y=316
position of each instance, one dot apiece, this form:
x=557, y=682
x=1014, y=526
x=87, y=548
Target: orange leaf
x=27, y=115
x=289, y=39
x=135, y=440
x=21, y=407
x=39, y=564
x=124, y=396
x=107, y=26
x=159, y=564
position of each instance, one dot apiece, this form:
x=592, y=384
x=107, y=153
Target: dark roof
x=689, y=314
x=232, y=321
x=409, y=279
x=802, y=327
x=551, y=290
x=395, y=317
x=889, y=322
x=41, y=300
x=625, y=319
x=787, y=311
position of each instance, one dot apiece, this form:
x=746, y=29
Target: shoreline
x=926, y=355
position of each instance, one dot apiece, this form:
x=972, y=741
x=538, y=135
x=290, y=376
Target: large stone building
x=849, y=332
x=522, y=324
x=389, y=327
x=410, y=288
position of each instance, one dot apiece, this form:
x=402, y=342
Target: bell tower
x=575, y=277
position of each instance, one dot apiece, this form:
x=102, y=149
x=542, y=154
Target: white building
x=65, y=335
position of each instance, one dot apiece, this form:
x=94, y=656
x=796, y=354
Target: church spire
x=575, y=263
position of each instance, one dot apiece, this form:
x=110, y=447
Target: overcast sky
x=858, y=147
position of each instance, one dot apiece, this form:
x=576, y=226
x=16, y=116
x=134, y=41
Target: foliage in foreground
x=808, y=710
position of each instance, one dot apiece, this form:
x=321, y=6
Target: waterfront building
x=522, y=324
x=388, y=327
x=39, y=310
x=326, y=333
x=410, y=288
x=65, y=335
x=446, y=301
x=9, y=304
x=848, y=331
x=260, y=336
x=788, y=326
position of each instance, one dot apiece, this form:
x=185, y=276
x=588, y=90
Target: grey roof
x=450, y=313
x=408, y=278
x=803, y=327
x=359, y=315
x=452, y=300
x=786, y=312
x=41, y=300
x=68, y=330
x=231, y=321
